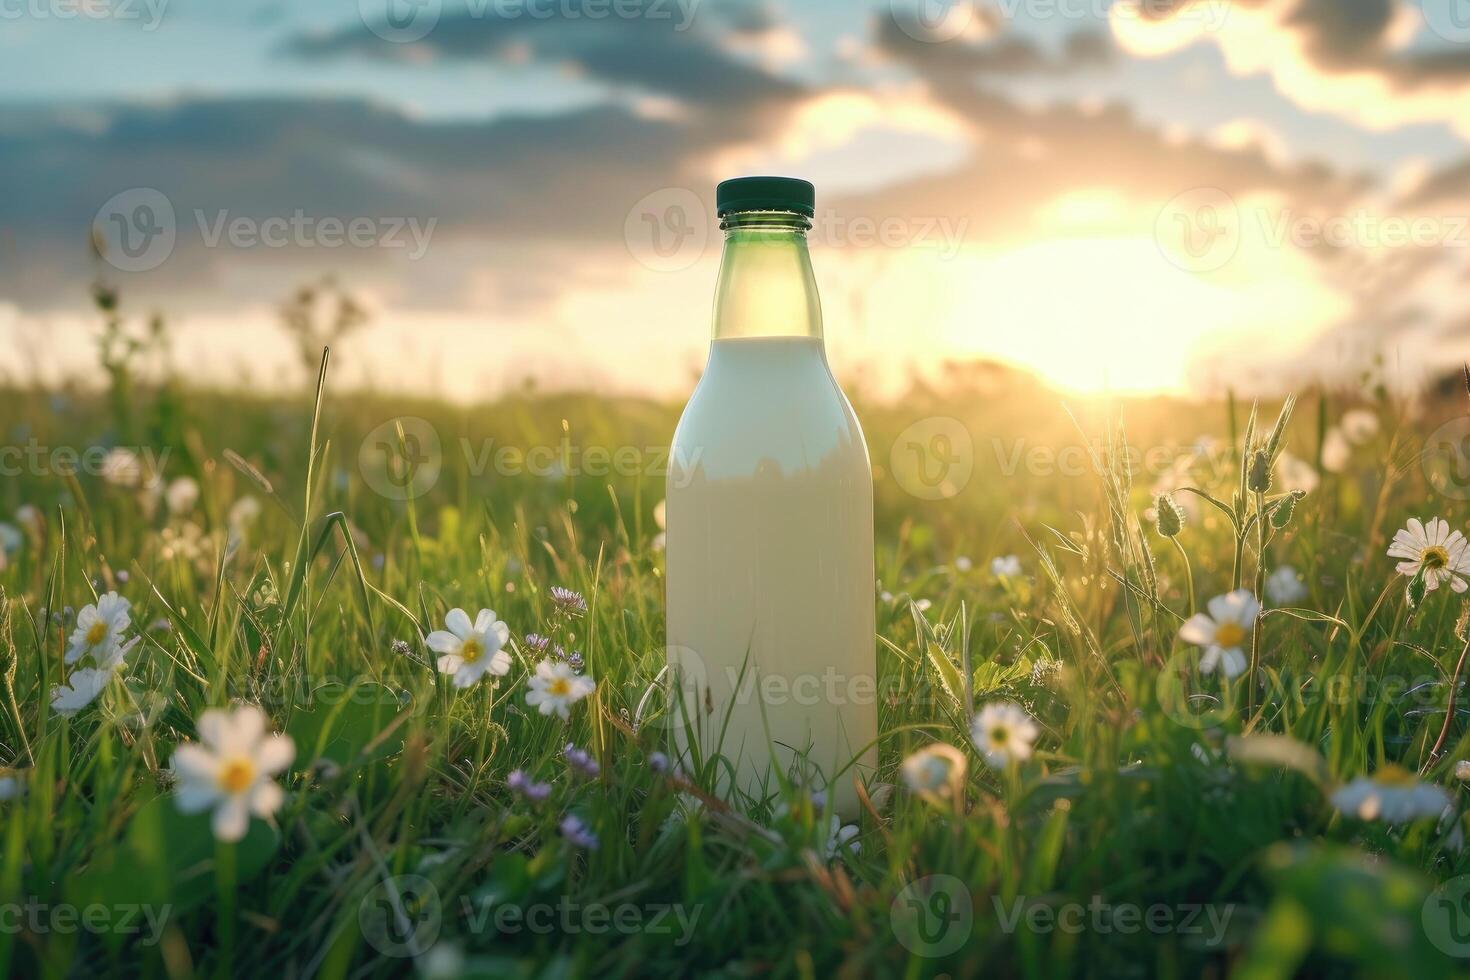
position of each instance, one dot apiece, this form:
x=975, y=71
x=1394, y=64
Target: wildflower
x=841, y=836
x=537, y=643
x=99, y=629
x=1258, y=476
x=1296, y=474
x=1462, y=769
x=1003, y=732
x=581, y=760
x=232, y=769
x=1392, y=794
x=1284, y=586
x=1223, y=631
x=1337, y=452
x=243, y=513
x=568, y=601
x=577, y=833
x=1359, y=425
x=520, y=783
x=1006, y=566
x=1433, y=549
x=29, y=518
x=400, y=648
x=122, y=468
x=1168, y=516
x=574, y=660
x=11, y=538
x=963, y=564
x=471, y=650
x=80, y=690
x=937, y=771
x=181, y=496
x=11, y=788
x=658, y=762
x=556, y=687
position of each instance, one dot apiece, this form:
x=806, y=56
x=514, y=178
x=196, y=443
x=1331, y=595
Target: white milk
x=770, y=569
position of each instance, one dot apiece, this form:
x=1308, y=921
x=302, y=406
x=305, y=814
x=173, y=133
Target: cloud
x=1363, y=60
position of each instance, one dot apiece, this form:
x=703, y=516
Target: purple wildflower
x=581, y=760
x=527, y=787
x=658, y=762
x=537, y=643
x=576, y=832
x=568, y=601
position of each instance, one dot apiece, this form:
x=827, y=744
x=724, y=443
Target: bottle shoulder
x=761, y=406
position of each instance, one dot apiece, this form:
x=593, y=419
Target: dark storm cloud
x=1010, y=54
x=651, y=54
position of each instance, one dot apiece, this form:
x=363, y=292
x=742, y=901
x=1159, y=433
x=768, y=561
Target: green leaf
x=348, y=725
x=166, y=859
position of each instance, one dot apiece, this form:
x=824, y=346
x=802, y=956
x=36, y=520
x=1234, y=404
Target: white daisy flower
x=182, y=494
x=1006, y=566
x=468, y=650
x=963, y=564
x=556, y=687
x=937, y=771
x=243, y=513
x=80, y=690
x=1284, y=586
x=1296, y=474
x=122, y=468
x=1441, y=553
x=1337, y=452
x=99, y=629
x=232, y=769
x=1003, y=732
x=11, y=538
x=1359, y=425
x=1223, y=632
x=1392, y=794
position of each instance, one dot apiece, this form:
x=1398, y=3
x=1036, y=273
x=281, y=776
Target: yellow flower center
x=236, y=775
x=561, y=687
x=999, y=734
x=96, y=633
x=471, y=650
x=1394, y=775
x=1229, y=635
x=1434, y=557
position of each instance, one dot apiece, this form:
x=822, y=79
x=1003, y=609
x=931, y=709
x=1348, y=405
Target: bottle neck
x=766, y=287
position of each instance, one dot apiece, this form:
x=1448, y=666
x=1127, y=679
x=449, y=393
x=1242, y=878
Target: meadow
x=1192, y=787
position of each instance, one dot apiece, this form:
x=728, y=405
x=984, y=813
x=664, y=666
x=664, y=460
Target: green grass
x=1141, y=795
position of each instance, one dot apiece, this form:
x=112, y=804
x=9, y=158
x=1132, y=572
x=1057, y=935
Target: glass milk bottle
x=769, y=525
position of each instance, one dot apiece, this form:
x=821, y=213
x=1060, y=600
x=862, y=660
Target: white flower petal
x=458, y=623
x=231, y=819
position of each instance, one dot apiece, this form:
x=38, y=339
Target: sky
x=1119, y=195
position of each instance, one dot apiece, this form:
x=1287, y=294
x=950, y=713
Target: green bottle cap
x=766, y=194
